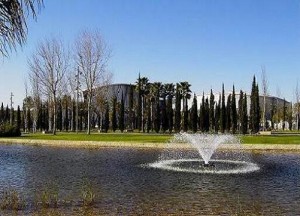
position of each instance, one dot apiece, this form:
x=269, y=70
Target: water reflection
x=123, y=187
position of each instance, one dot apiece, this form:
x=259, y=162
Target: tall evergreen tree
x=272, y=113
x=2, y=113
x=59, y=120
x=29, y=120
x=114, y=114
x=7, y=114
x=202, y=114
x=130, y=109
x=206, y=115
x=223, y=111
x=177, y=109
x=217, y=115
x=194, y=114
x=18, y=118
x=212, y=111
x=122, y=115
x=245, y=115
x=254, y=108
x=106, y=118
x=233, y=112
x=240, y=114
x=284, y=114
x=228, y=113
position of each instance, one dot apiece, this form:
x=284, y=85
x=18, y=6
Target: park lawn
x=154, y=138
x=270, y=139
x=104, y=137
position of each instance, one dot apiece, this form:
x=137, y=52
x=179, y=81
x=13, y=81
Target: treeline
x=150, y=107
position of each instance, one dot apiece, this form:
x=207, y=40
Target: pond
x=123, y=186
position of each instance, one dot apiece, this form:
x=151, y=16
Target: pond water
x=123, y=186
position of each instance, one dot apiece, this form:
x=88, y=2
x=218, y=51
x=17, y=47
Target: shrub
x=7, y=130
x=11, y=200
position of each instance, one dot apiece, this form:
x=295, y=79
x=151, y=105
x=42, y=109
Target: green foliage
x=211, y=111
x=106, y=118
x=233, y=112
x=223, y=111
x=114, y=114
x=254, y=108
x=121, y=115
x=194, y=114
x=177, y=109
x=7, y=130
x=87, y=194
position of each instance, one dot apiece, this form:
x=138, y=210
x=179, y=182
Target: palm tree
x=169, y=92
x=142, y=87
x=186, y=94
x=13, y=27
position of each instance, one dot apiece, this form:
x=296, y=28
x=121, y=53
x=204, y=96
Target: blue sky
x=204, y=42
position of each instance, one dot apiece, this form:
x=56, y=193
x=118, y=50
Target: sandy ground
x=94, y=144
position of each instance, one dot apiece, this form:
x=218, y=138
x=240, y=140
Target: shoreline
x=146, y=145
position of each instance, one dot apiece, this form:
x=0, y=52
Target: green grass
x=155, y=138
x=271, y=139
x=109, y=137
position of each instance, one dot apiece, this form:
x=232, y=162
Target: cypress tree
x=241, y=110
x=59, y=121
x=121, y=115
x=7, y=116
x=106, y=118
x=2, y=113
x=284, y=113
x=66, y=119
x=223, y=111
x=217, y=116
x=254, y=108
x=130, y=108
x=272, y=112
x=114, y=114
x=245, y=115
x=18, y=118
x=139, y=104
x=29, y=120
x=194, y=114
x=212, y=111
x=228, y=114
x=233, y=112
x=177, y=109
x=206, y=115
x=202, y=114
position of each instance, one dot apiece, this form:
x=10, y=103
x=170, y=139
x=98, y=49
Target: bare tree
x=92, y=55
x=265, y=86
x=13, y=27
x=36, y=99
x=49, y=65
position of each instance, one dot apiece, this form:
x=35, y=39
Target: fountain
x=217, y=154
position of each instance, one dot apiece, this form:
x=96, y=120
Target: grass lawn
x=155, y=138
x=109, y=137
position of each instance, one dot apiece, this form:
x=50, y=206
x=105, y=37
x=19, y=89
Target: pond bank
x=99, y=144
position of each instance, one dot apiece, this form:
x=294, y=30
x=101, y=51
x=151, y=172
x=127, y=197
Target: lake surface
x=123, y=186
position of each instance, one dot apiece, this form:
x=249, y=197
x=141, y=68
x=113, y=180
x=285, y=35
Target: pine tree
x=233, y=112
x=223, y=111
x=121, y=115
x=114, y=114
x=212, y=111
